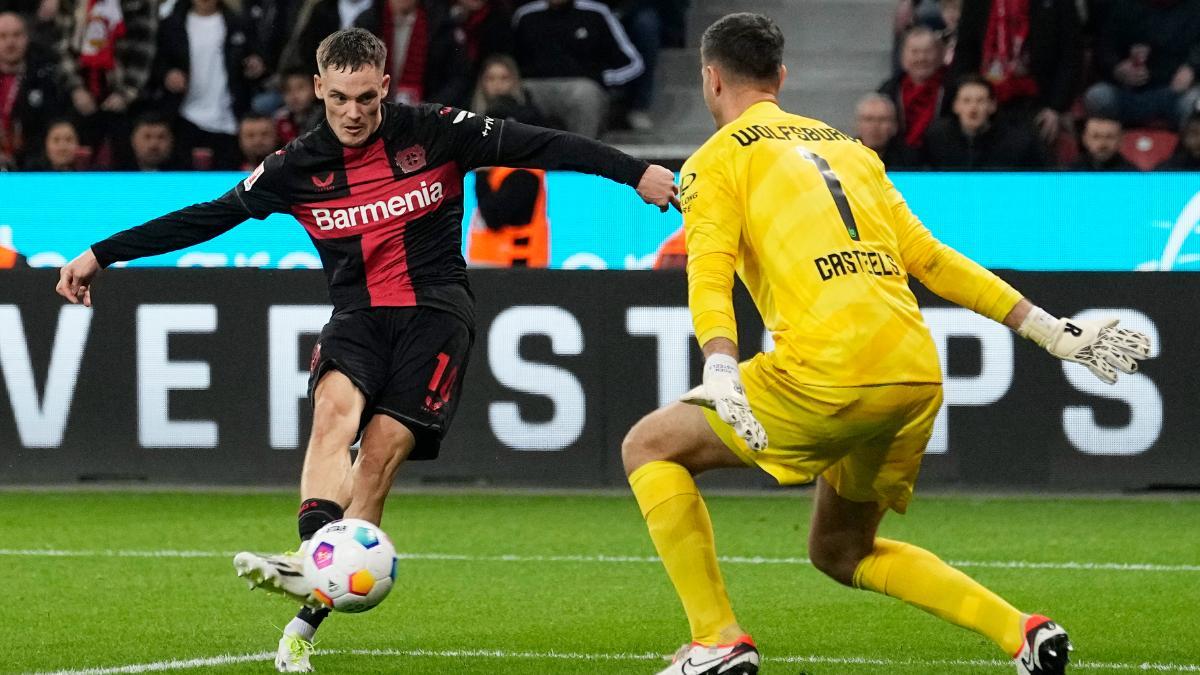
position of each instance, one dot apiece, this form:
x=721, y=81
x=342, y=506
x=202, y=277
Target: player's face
x=973, y=106
x=1102, y=138
x=352, y=101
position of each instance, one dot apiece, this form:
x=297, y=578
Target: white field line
x=229, y=659
x=730, y=560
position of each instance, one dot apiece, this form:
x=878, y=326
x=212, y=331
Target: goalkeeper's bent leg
x=676, y=515
x=842, y=544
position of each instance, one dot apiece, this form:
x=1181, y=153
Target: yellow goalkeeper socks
x=921, y=579
x=682, y=532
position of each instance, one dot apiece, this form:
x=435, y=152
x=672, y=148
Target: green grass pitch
x=566, y=583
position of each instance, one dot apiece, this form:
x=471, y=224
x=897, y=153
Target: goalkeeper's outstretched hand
x=1097, y=344
x=722, y=391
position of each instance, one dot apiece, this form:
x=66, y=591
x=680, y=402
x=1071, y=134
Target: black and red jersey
x=385, y=217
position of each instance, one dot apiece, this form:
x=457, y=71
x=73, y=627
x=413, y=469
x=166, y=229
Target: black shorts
x=407, y=361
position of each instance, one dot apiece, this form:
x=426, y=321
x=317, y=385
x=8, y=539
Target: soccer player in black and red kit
x=378, y=188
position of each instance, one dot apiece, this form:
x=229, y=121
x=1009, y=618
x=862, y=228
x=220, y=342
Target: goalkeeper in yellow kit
x=825, y=244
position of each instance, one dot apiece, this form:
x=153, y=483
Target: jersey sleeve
x=478, y=140
x=944, y=270
x=712, y=221
x=258, y=196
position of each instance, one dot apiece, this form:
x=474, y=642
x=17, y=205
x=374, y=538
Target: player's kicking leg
x=325, y=484
x=661, y=454
x=843, y=545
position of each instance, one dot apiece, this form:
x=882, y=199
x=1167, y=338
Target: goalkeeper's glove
x=722, y=391
x=1099, y=345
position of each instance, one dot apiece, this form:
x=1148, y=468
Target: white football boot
x=737, y=658
x=293, y=655
x=1046, y=649
x=282, y=574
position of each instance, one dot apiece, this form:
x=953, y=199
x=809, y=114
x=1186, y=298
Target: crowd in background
x=142, y=85
x=1086, y=85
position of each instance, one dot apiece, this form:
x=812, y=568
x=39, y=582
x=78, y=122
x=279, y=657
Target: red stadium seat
x=1147, y=148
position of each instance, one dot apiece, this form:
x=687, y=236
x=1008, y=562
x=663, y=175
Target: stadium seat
x=1147, y=148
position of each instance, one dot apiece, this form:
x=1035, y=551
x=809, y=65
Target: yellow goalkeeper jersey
x=825, y=244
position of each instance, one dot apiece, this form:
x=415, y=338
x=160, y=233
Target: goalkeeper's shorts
x=866, y=441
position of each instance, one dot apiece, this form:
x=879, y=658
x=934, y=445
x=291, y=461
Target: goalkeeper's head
x=742, y=62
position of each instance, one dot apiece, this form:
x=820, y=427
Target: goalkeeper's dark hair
x=747, y=46
x=351, y=49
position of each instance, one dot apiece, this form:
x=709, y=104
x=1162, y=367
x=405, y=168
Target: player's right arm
x=712, y=221
x=1099, y=345
x=257, y=196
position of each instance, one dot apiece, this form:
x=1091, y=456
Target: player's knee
x=833, y=559
x=641, y=445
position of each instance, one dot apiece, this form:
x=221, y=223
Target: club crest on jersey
x=323, y=184
x=411, y=159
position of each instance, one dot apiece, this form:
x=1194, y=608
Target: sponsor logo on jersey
x=463, y=115
x=323, y=184
x=253, y=178
x=841, y=263
x=411, y=159
x=366, y=214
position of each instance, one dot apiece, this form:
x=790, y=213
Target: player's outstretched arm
x=259, y=195
x=483, y=141
x=1097, y=344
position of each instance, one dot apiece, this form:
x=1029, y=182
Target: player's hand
x=722, y=391
x=658, y=187
x=1098, y=344
x=75, y=279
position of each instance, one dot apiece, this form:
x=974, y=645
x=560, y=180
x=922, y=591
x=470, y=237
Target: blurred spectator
x=972, y=140
x=257, y=139
x=470, y=33
x=499, y=92
x=153, y=144
x=317, y=19
x=301, y=110
x=1187, y=154
x=509, y=227
x=919, y=90
x=29, y=95
x=643, y=23
x=672, y=254
x=205, y=69
x=269, y=25
x=1101, y=147
x=1148, y=55
x=106, y=49
x=569, y=52
x=951, y=12
x=404, y=26
x=60, y=149
x=40, y=17
x=876, y=127
x=1031, y=52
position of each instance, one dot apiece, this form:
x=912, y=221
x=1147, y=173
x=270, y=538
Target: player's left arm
x=712, y=220
x=1097, y=344
x=485, y=141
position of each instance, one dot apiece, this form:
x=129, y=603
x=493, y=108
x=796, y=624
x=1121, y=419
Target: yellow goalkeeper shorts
x=866, y=441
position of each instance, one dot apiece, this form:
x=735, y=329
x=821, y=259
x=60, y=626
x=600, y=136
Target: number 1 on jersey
x=835, y=190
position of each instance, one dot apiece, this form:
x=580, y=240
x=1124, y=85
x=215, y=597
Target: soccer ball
x=351, y=565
